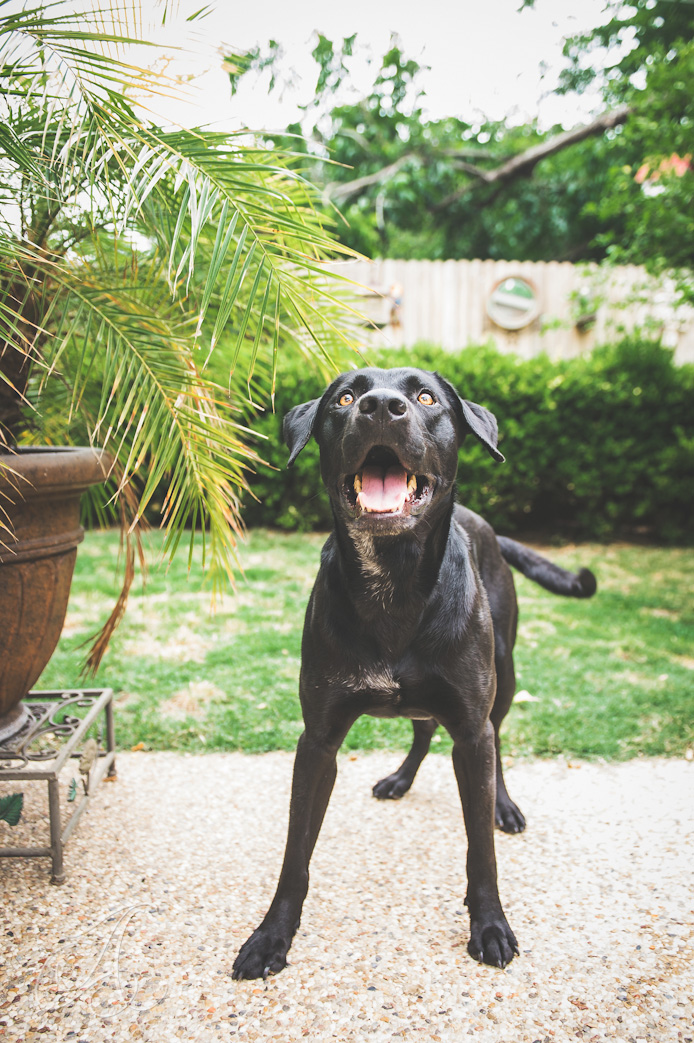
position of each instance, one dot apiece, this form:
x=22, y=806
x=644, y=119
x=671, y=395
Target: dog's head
x=388, y=443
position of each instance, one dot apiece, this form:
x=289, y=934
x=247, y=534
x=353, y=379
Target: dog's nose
x=383, y=404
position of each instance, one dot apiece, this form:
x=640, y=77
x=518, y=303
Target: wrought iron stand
x=55, y=732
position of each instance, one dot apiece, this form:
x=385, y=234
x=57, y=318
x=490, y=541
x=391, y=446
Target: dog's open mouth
x=384, y=486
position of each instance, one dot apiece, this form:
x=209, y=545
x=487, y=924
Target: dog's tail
x=581, y=584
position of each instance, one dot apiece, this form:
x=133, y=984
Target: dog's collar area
x=384, y=487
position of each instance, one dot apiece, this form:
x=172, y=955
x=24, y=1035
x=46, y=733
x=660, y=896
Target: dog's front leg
x=315, y=769
x=491, y=939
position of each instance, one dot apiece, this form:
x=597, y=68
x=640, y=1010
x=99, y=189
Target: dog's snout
x=383, y=404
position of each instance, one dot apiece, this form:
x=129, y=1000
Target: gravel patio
x=176, y=861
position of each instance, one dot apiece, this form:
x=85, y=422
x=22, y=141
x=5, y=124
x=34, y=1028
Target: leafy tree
x=643, y=57
x=408, y=186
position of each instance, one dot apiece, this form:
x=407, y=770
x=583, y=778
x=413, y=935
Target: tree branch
x=525, y=162
x=520, y=165
x=340, y=192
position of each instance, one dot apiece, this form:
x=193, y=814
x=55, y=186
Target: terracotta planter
x=40, y=492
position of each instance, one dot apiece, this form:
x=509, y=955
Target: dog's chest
x=383, y=691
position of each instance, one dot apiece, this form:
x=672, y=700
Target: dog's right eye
x=346, y=399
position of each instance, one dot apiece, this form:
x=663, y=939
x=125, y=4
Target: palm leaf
x=154, y=258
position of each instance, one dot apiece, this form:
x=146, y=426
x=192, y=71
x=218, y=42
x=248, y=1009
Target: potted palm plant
x=148, y=278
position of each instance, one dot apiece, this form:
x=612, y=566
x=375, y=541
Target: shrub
x=596, y=447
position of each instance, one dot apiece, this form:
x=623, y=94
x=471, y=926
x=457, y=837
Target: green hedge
x=600, y=446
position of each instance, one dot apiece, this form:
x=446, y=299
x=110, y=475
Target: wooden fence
x=576, y=306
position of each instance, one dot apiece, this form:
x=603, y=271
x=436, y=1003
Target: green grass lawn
x=610, y=677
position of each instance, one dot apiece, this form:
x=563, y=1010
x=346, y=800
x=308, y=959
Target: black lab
x=413, y=614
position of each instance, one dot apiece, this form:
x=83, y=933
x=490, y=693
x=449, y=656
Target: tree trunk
x=16, y=352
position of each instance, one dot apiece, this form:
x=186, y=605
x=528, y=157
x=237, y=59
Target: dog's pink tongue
x=383, y=490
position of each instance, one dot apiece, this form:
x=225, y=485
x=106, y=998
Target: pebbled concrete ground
x=176, y=862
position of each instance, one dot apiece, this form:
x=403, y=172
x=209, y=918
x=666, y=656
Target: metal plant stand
x=56, y=730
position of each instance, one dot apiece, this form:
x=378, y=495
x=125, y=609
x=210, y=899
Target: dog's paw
x=509, y=817
x=493, y=943
x=392, y=787
x=264, y=953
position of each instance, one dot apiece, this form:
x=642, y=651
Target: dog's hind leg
x=396, y=785
x=508, y=816
x=315, y=769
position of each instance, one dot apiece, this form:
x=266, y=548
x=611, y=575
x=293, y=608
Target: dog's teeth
x=357, y=483
x=412, y=483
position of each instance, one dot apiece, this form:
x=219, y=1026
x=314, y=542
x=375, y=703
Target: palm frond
x=164, y=269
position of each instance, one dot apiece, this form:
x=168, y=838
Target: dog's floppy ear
x=483, y=425
x=297, y=427
x=476, y=419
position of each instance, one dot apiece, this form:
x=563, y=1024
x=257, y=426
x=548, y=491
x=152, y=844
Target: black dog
x=413, y=614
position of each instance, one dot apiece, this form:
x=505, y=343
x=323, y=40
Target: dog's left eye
x=346, y=399
x=426, y=398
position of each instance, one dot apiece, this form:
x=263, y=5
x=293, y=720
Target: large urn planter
x=40, y=491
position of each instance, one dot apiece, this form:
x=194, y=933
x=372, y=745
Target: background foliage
x=410, y=186
x=600, y=446
x=643, y=55
x=465, y=186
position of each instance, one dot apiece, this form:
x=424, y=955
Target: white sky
x=486, y=57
